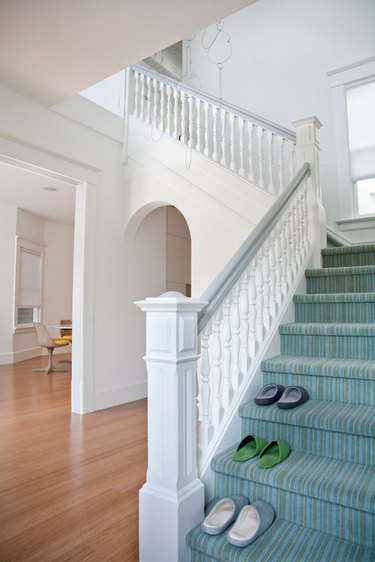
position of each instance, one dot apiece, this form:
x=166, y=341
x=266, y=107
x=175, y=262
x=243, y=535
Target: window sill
x=23, y=329
x=358, y=223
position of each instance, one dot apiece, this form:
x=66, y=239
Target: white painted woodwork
x=261, y=156
x=172, y=499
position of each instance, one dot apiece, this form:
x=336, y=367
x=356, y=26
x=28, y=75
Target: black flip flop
x=293, y=396
x=269, y=394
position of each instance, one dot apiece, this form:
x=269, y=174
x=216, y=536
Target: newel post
x=307, y=150
x=171, y=502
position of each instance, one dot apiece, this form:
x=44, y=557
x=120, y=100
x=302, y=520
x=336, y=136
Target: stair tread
x=328, y=329
x=353, y=419
x=353, y=270
x=321, y=366
x=348, y=249
x=347, y=484
x=334, y=298
x=282, y=542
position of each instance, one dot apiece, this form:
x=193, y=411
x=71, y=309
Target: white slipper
x=223, y=513
x=252, y=521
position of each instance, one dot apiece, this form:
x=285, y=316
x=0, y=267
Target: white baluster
x=272, y=262
x=305, y=221
x=156, y=103
x=244, y=312
x=227, y=393
x=282, y=165
x=266, y=286
x=292, y=232
x=205, y=427
x=260, y=300
x=149, y=100
x=136, y=94
x=236, y=343
x=292, y=160
x=169, y=116
x=143, y=97
x=291, y=154
x=223, y=139
x=163, y=109
x=253, y=341
x=299, y=249
x=177, y=115
x=287, y=254
x=215, y=133
x=207, y=130
x=279, y=265
x=200, y=125
x=242, y=144
x=285, y=248
x=232, y=119
x=272, y=186
x=191, y=123
x=252, y=176
x=261, y=153
x=184, y=118
x=217, y=371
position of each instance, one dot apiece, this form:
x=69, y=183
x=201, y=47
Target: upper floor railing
x=256, y=149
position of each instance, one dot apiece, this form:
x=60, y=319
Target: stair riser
x=360, y=283
x=350, y=347
x=349, y=260
x=333, y=389
x=341, y=446
x=362, y=313
x=200, y=557
x=338, y=520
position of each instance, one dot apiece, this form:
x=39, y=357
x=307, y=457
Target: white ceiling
x=24, y=189
x=53, y=49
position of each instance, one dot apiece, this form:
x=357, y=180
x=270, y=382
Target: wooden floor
x=68, y=483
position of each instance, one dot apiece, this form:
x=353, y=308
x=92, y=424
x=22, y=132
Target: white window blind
x=361, y=124
x=29, y=280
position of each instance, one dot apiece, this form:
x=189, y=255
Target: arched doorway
x=163, y=251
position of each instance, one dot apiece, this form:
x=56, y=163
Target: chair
x=66, y=333
x=45, y=340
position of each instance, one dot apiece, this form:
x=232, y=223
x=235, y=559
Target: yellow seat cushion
x=58, y=341
x=68, y=338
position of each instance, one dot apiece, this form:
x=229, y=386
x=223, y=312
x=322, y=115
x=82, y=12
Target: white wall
x=8, y=221
x=58, y=273
x=282, y=51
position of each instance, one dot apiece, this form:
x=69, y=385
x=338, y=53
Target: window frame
x=341, y=79
x=33, y=248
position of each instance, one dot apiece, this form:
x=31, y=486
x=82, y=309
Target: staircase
x=324, y=492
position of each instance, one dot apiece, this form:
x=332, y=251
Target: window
x=361, y=128
x=109, y=93
x=28, y=286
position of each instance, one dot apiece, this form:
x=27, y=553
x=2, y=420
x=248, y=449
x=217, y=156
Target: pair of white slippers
x=250, y=520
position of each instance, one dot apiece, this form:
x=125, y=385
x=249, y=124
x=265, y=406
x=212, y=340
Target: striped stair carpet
x=324, y=492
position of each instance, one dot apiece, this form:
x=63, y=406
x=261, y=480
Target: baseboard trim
x=120, y=395
x=22, y=355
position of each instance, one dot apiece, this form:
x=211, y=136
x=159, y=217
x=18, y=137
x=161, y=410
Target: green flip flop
x=249, y=447
x=274, y=453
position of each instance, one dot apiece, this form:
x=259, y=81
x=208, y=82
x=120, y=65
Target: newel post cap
x=171, y=301
x=171, y=327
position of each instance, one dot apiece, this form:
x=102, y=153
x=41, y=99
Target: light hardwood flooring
x=68, y=483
